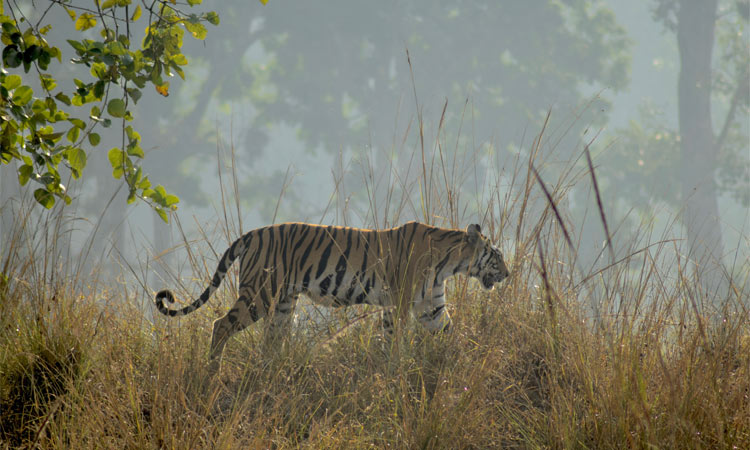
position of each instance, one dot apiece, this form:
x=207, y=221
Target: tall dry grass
x=625, y=355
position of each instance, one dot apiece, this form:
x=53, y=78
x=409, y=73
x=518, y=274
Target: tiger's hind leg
x=242, y=314
x=283, y=316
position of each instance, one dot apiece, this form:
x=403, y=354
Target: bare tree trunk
x=696, y=21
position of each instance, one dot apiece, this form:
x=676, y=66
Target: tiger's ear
x=473, y=232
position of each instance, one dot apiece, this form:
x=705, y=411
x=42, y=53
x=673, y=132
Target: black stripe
x=324, y=260
x=352, y=286
x=441, y=265
x=296, y=265
x=411, y=237
x=306, y=278
x=324, y=285
x=323, y=233
x=250, y=269
x=284, y=240
x=342, y=264
x=306, y=254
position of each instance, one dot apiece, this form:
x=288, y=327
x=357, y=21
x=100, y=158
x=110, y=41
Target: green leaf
x=98, y=91
x=171, y=200
x=22, y=95
x=116, y=157
x=116, y=48
x=136, y=14
x=161, y=192
x=45, y=57
x=94, y=139
x=179, y=59
x=116, y=107
x=144, y=184
x=78, y=123
x=11, y=82
x=135, y=94
x=38, y=106
x=12, y=57
x=24, y=173
x=212, y=18
x=79, y=47
x=44, y=197
x=32, y=53
x=162, y=214
x=196, y=29
x=77, y=100
x=76, y=160
x=85, y=21
x=48, y=83
x=73, y=134
x=51, y=136
x=99, y=70
x=63, y=98
x=136, y=150
x=133, y=136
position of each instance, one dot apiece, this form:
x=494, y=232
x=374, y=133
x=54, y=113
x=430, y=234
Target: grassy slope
x=518, y=370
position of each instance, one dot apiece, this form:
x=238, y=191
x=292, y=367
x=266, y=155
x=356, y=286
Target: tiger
x=402, y=269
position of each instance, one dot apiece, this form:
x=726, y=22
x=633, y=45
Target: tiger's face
x=488, y=265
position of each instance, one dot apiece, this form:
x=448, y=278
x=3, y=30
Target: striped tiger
x=341, y=266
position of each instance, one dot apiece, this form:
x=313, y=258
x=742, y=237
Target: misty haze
x=589, y=161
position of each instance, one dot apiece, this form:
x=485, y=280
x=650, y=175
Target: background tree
x=653, y=157
x=338, y=76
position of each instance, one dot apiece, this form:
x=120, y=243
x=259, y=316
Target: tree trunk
x=696, y=21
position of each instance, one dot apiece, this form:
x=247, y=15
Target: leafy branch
x=40, y=130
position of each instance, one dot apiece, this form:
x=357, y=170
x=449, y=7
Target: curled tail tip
x=164, y=294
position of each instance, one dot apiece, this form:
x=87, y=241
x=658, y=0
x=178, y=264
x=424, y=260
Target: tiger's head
x=487, y=264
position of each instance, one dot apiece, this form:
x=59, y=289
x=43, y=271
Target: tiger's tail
x=236, y=249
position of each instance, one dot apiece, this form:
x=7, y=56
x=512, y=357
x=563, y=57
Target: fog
x=323, y=111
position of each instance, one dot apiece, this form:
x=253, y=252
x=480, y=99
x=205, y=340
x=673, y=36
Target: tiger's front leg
x=431, y=311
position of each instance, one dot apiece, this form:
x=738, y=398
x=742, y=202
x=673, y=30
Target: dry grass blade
x=545, y=277
x=599, y=201
x=625, y=258
x=553, y=205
